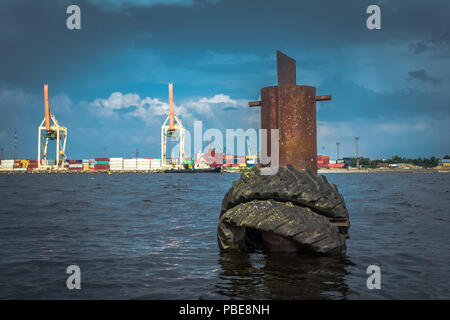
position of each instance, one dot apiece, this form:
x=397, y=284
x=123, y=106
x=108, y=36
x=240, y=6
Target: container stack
x=32, y=165
x=116, y=164
x=75, y=165
x=91, y=164
x=85, y=163
x=444, y=162
x=7, y=165
x=21, y=165
x=323, y=161
x=142, y=164
x=129, y=164
x=155, y=163
x=229, y=159
x=336, y=165
x=251, y=160
x=101, y=164
x=51, y=162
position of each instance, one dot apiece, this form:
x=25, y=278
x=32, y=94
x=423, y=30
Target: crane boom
x=171, y=127
x=47, y=109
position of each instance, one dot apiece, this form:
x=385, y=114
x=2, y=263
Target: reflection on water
x=282, y=276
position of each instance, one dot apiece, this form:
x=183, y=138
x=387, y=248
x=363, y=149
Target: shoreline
x=431, y=170
x=319, y=171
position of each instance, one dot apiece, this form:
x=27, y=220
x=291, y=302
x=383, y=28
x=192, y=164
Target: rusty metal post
x=291, y=108
x=269, y=114
x=297, y=126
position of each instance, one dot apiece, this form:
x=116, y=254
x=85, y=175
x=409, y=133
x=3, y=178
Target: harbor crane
x=170, y=131
x=51, y=130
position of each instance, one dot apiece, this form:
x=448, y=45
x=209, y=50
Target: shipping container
x=336, y=165
x=101, y=167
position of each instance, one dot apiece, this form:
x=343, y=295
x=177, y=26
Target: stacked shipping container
x=75, y=165
x=155, y=163
x=323, y=161
x=129, y=164
x=7, y=165
x=116, y=164
x=142, y=164
x=101, y=164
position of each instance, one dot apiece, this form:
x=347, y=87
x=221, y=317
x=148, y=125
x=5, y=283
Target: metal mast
x=337, y=145
x=357, y=152
x=15, y=145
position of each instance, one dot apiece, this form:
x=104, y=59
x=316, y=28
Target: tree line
x=421, y=162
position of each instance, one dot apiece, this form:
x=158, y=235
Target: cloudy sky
x=108, y=81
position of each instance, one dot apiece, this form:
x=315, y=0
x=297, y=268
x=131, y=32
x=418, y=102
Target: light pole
x=357, y=152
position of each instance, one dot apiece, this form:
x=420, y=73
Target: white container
x=7, y=163
x=145, y=167
x=129, y=164
x=116, y=164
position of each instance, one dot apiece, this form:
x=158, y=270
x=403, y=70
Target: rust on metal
x=287, y=73
x=269, y=115
x=291, y=108
x=297, y=126
x=254, y=103
x=323, y=98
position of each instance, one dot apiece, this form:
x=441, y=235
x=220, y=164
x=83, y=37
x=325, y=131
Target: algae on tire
x=294, y=204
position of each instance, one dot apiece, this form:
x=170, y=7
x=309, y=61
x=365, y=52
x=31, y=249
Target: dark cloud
x=229, y=108
x=419, y=47
x=422, y=75
x=213, y=47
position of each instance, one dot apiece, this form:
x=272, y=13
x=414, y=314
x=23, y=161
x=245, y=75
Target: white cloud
x=61, y=103
x=208, y=106
x=147, y=108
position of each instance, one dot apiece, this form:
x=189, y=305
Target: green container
x=101, y=162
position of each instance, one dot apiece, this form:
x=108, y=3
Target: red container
x=101, y=159
x=101, y=166
x=336, y=165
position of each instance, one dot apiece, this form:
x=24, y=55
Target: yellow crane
x=170, y=131
x=51, y=130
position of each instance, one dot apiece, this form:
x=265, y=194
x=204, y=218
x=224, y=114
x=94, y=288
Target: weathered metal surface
x=323, y=98
x=297, y=126
x=269, y=115
x=291, y=109
x=287, y=73
x=254, y=103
